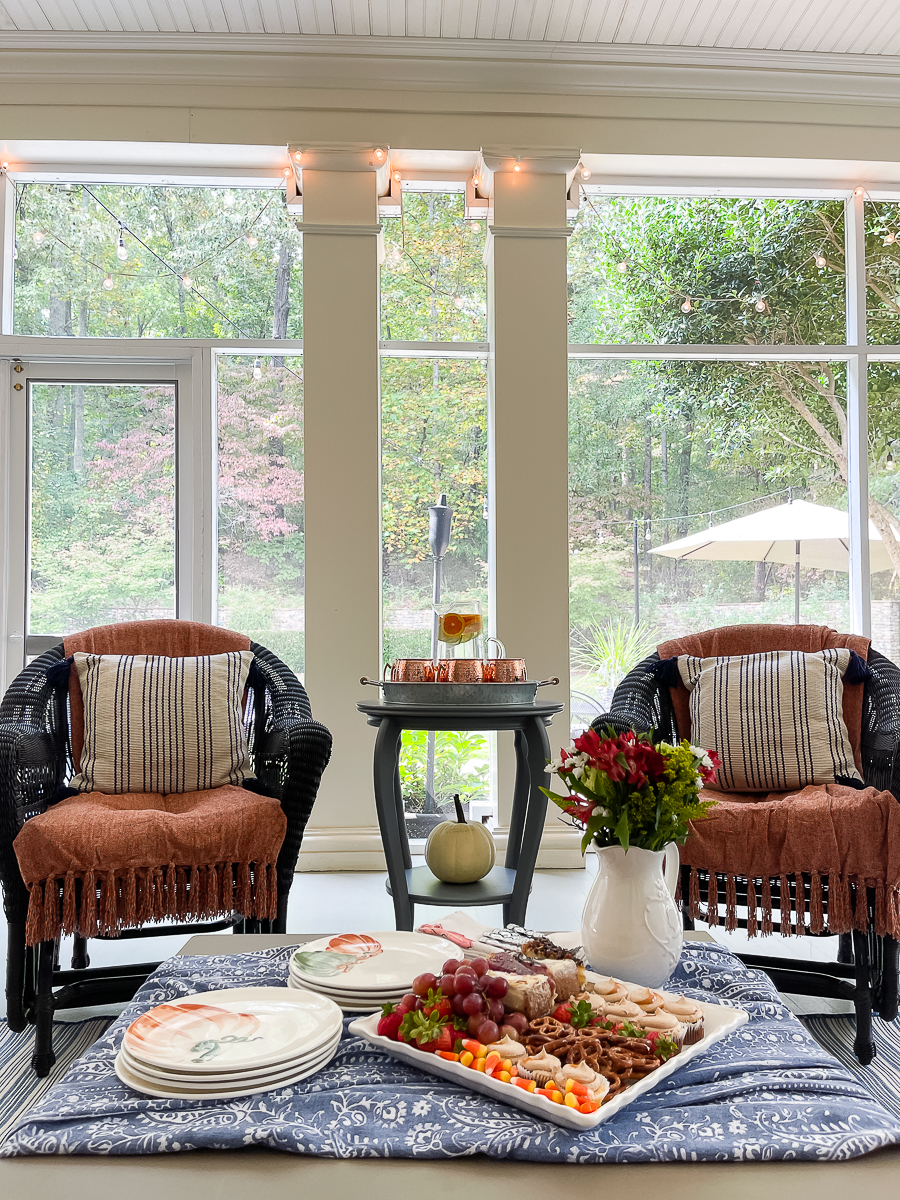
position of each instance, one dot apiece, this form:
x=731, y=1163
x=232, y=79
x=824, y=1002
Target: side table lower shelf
x=425, y=888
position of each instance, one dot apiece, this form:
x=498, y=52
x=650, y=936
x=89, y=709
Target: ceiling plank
x=341, y=15
x=324, y=17
x=557, y=20
x=504, y=11
x=433, y=9
x=450, y=12
x=468, y=18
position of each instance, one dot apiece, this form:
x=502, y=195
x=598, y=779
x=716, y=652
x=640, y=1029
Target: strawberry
x=578, y=1015
x=389, y=1025
x=442, y=1008
x=562, y=1012
x=427, y=1032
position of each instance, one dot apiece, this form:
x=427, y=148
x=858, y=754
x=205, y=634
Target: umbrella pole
x=637, y=579
x=796, y=583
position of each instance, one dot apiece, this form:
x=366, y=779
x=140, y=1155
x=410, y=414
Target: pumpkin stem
x=460, y=815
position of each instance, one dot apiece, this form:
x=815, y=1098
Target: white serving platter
x=159, y=1090
x=209, y=1032
x=719, y=1022
x=369, y=962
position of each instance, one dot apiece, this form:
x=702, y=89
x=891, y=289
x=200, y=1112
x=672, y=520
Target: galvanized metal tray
x=484, y=694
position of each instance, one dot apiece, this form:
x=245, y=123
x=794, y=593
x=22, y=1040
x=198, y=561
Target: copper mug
x=411, y=670
x=464, y=670
x=504, y=670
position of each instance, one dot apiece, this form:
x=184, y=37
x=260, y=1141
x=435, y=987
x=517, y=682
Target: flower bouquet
x=626, y=789
x=633, y=797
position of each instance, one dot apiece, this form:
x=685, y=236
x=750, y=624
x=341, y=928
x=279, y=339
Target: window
x=664, y=446
x=122, y=261
x=260, y=501
x=434, y=441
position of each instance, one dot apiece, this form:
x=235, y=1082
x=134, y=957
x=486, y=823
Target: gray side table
x=508, y=885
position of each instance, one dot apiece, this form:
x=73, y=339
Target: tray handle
x=548, y=682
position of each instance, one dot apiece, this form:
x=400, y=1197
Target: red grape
x=475, y=1024
x=465, y=969
x=517, y=1020
x=451, y=966
x=447, y=985
x=495, y=1008
x=464, y=984
x=479, y=966
x=489, y=1032
x=472, y=1004
x=456, y=1003
x=423, y=983
x=495, y=986
x=407, y=1003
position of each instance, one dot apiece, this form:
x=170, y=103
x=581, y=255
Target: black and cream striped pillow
x=776, y=719
x=156, y=724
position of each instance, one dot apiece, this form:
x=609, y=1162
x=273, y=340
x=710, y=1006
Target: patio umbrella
x=807, y=535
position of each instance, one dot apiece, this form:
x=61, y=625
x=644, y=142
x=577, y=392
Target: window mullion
x=857, y=416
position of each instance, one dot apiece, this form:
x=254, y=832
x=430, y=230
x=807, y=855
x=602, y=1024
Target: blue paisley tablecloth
x=766, y=1092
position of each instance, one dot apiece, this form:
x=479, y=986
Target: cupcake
x=689, y=1014
x=623, y=1010
x=645, y=998
x=663, y=1023
x=583, y=1073
x=604, y=985
x=539, y=1067
x=507, y=1048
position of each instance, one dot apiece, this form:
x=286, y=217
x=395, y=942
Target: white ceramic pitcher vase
x=631, y=927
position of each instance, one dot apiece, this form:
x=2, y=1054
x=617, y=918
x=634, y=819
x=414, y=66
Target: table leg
x=537, y=752
x=521, y=792
x=388, y=805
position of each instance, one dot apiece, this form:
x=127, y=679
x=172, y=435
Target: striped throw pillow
x=156, y=724
x=775, y=719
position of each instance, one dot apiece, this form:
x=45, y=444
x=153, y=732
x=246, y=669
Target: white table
x=231, y=1175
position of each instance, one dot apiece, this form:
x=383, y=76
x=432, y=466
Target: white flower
x=578, y=772
x=599, y=811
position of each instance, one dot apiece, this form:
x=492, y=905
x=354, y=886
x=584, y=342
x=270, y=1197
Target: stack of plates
x=235, y=1042
x=362, y=971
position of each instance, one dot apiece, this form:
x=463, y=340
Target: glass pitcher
x=460, y=629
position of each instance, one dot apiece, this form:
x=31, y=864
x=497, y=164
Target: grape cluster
x=474, y=995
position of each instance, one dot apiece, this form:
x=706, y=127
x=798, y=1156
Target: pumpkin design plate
x=213, y=1031
x=369, y=962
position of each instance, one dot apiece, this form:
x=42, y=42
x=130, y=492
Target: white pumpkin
x=457, y=852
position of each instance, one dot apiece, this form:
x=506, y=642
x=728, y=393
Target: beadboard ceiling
x=859, y=27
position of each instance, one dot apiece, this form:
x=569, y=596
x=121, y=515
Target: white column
x=7, y=250
x=342, y=498
x=857, y=415
x=528, y=428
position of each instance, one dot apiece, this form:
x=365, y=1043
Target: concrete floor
x=326, y=903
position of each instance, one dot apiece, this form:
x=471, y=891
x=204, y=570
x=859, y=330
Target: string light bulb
x=4, y=165
x=821, y=261
x=187, y=282
x=889, y=239
x=622, y=267
x=379, y=154
x=397, y=176
x=257, y=369
x=889, y=462
x=760, y=305
x=121, y=248
x=251, y=240
x=687, y=306
x=38, y=236
x=585, y=172
x=108, y=284
x=517, y=165
x=228, y=199
x=298, y=156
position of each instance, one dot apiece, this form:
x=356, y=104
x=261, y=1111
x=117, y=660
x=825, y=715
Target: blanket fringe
x=840, y=905
x=129, y=898
x=752, y=925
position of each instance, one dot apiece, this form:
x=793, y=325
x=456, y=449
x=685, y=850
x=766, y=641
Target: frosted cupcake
x=539, y=1067
x=646, y=999
x=584, y=1073
x=624, y=1010
x=612, y=990
x=689, y=1014
x=663, y=1023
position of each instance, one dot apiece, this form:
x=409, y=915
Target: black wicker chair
x=866, y=970
x=289, y=751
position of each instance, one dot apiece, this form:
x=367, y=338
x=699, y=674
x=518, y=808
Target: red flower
x=708, y=774
x=581, y=810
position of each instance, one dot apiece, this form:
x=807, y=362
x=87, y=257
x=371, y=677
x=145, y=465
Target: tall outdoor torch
x=440, y=521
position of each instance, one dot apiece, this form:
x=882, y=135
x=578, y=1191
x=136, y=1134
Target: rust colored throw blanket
x=97, y=863
x=834, y=835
